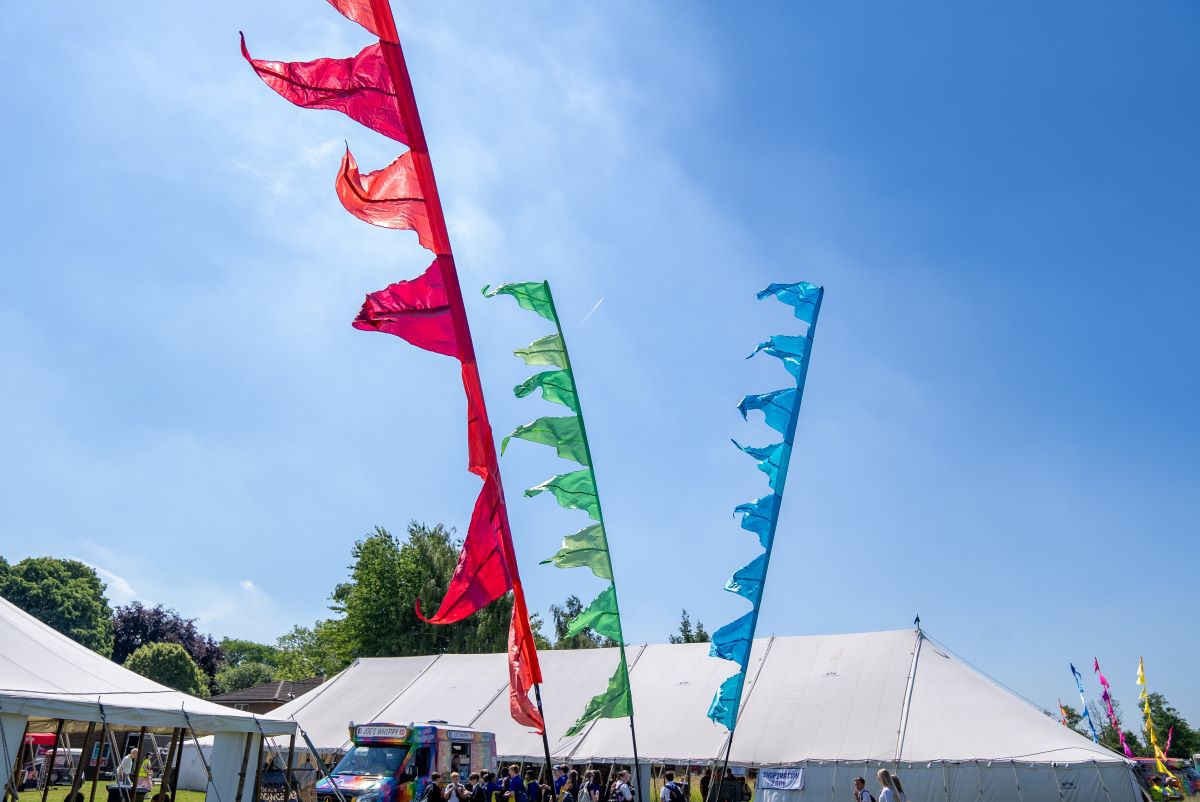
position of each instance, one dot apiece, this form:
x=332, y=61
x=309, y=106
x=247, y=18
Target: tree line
x=372, y=615
x=1185, y=741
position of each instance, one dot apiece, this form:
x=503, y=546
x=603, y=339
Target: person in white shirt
x=126, y=767
x=670, y=792
x=621, y=789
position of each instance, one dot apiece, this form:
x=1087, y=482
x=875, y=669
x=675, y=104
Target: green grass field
x=58, y=793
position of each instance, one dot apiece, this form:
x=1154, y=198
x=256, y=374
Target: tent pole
x=78, y=780
x=178, y=764
x=288, y=768
x=101, y=748
x=321, y=765
x=12, y=786
x=137, y=764
x=258, y=767
x=164, y=781
x=237, y=797
x=48, y=768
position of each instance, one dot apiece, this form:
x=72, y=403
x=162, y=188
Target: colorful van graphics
x=392, y=762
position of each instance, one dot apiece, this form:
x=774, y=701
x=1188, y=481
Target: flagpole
x=410, y=116
x=612, y=577
x=789, y=438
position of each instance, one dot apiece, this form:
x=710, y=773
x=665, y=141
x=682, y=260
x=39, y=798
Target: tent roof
x=863, y=697
x=45, y=675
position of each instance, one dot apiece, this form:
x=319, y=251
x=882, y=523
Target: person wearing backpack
x=621, y=792
x=861, y=794
x=433, y=791
x=671, y=791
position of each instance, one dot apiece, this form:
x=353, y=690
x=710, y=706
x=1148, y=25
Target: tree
x=687, y=634
x=1185, y=741
x=246, y=674
x=169, y=664
x=65, y=594
x=238, y=651
x=136, y=625
x=563, y=616
x=388, y=578
x=307, y=652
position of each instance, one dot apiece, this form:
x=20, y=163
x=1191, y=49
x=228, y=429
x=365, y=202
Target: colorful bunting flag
x=374, y=88
x=1083, y=703
x=1144, y=697
x=780, y=410
x=1108, y=707
x=575, y=490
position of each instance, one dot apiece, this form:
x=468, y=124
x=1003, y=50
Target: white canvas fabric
x=868, y=699
x=45, y=675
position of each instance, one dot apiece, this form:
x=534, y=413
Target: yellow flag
x=1141, y=680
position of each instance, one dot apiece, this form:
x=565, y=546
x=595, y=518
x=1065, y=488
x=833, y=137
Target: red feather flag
x=358, y=11
x=359, y=87
x=389, y=198
x=374, y=88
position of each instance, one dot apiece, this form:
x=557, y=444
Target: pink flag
x=389, y=198
x=360, y=87
x=416, y=310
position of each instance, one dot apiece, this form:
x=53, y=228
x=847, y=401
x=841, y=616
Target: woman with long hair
x=889, y=788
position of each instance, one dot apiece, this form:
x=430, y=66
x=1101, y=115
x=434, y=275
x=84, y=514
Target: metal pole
x=537, y=694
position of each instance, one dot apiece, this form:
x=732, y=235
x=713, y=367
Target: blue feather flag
x=780, y=410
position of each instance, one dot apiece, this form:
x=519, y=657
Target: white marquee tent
x=46, y=677
x=835, y=705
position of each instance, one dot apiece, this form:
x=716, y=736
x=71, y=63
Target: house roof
x=280, y=691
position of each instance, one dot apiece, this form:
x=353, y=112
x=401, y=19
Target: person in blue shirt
x=560, y=779
x=533, y=790
x=514, y=789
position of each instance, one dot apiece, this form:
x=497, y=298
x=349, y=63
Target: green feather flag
x=587, y=548
x=575, y=491
x=545, y=351
x=556, y=385
x=562, y=433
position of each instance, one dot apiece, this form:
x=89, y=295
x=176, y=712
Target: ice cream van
x=392, y=762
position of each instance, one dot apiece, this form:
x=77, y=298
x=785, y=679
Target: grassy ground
x=58, y=793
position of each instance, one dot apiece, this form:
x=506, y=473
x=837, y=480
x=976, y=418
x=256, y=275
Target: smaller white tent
x=46, y=677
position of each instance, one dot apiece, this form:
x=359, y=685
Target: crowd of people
x=513, y=786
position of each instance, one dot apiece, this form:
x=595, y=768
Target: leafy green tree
x=688, y=634
x=169, y=664
x=308, y=651
x=562, y=616
x=135, y=625
x=540, y=641
x=244, y=675
x=65, y=594
x=388, y=577
x=1185, y=741
x=238, y=651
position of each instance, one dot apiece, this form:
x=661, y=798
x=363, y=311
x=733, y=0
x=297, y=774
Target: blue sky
x=999, y=430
